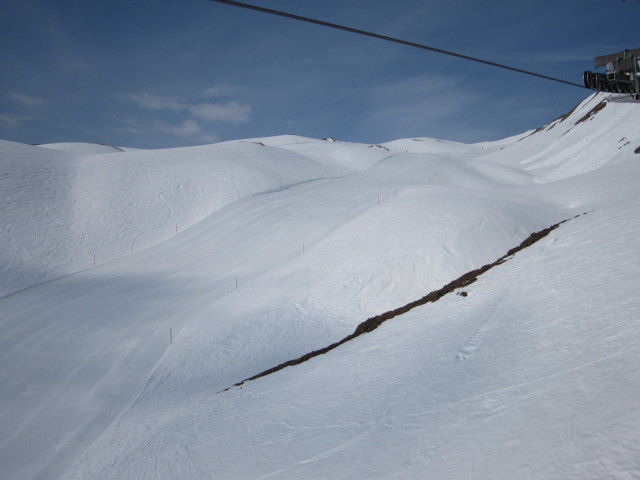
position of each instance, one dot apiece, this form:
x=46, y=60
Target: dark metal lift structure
x=622, y=75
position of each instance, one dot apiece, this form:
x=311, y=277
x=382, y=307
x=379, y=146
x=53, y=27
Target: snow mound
x=428, y=145
x=83, y=148
x=66, y=212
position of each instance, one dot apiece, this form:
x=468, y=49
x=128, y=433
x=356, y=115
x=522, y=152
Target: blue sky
x=162, y=73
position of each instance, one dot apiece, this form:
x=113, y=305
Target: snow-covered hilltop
x=250, y=253
x=67, y=209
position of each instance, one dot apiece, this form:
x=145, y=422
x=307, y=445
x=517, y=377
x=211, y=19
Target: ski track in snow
x=491, y=321
x=532, y=375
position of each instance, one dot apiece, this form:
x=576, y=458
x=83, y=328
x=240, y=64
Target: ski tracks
x=169, y=217
x=492, y=320
x=489, y=323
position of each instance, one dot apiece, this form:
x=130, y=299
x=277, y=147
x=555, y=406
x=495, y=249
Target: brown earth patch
x=552, y=124
x=562, y=118
x=373, y=323
x=592, y=112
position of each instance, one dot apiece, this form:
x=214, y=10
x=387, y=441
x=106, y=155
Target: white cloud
x=27, y=100
x=155, y=102
x=230, y=112
x=208, y=138
x=10, y=120
x=188, y=128
x=131, y=125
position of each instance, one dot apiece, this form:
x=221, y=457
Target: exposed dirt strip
x=372, y=323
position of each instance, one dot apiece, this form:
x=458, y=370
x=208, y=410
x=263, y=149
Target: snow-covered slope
x=64, y=210
x=86, y=148
x=533, y=374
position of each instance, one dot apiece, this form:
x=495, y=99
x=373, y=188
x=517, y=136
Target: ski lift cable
x=391, y=39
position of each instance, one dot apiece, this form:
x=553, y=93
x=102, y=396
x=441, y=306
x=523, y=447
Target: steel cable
x=392, y=39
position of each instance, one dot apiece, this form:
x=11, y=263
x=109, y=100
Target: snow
x=87, y=148
x=284, y=245
x=63, y=213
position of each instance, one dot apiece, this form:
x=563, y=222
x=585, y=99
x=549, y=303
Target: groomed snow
x=285, y=245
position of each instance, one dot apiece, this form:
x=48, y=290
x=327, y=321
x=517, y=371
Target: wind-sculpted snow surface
x=68, y=207
x=373, y=323
x=533, y=373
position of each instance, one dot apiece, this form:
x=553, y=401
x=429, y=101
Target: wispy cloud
x=223, y=90
x=77, y=65
x=10, y=120
x=232, y=112
x=563, y=55
x=229, y=112
x=424, y=105
x=27, y=100
x=188, y=128
x=130, y=125
x=155, y=102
